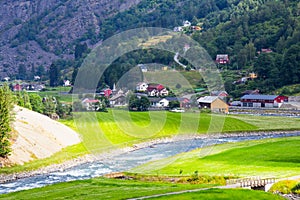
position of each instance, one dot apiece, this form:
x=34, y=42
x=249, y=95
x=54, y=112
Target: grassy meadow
x=61, y=93
x=264, y=158
x=218, y=194
x=101, y=131
x=101, y=188
x=119, y=128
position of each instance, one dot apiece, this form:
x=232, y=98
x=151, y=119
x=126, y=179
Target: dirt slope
x=38, y=136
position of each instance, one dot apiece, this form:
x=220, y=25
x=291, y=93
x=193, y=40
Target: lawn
x=215, y=194
x=265, y=158
x=270, y=122
x=119, y=128
x=221, y=194
x=61, y=93
x=103, y=131
x=99, y=188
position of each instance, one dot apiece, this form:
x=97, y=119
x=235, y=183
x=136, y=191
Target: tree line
x=6, y=116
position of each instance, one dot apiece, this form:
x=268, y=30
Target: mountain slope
x=40, y=31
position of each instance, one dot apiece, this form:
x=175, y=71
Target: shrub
x=284, y=187
x=296, y=189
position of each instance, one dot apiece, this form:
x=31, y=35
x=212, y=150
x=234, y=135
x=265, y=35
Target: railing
x=251, y=182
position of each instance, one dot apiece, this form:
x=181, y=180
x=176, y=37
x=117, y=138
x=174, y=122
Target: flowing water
x=124, y=161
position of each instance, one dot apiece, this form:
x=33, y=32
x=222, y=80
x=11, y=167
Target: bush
x=296, y=189
x=284, y=187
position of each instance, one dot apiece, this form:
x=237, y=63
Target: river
x=126, y=161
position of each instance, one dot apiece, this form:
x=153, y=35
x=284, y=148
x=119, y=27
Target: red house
x=222, y=59
x=106, y=92
x=157, y=90
x=17, y=87
x=261, y=101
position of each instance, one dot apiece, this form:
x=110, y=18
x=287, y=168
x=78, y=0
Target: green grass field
x=118, y=128
x=101, y=188
x=61, y=93
x=270, y=122
x=265, y=158
x=218, y=194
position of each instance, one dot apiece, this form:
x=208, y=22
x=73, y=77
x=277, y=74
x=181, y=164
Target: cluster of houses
x=152, y=90
x=216, y=101
x=27, y=86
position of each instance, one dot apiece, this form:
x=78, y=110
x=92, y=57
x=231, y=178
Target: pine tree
x=6, y=106
x=54, y=75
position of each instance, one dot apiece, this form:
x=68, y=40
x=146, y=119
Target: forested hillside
x=240, y=29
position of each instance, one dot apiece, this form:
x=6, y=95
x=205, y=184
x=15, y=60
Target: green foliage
x=138, y=103
x=50, y=104
x=296, y=188
x=63, y=110
x=23, y=99
x=6, y=105
x=284, y=187
x=54, y=75
x=174, y=104
x=36, y=103
x=77, y=106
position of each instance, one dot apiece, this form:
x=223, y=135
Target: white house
x=6, y=78
x=143, y=67
x=142, y=87
x=187, y=23
x=164, y=102
x=178, y=29
x=37, y=78
x=164, y=92
x=67, y=83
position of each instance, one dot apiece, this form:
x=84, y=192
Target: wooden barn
x=214, y=103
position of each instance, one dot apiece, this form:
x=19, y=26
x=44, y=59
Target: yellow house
x=216, y=104
x=253, y=75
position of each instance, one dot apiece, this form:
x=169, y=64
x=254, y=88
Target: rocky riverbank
x=4, y=178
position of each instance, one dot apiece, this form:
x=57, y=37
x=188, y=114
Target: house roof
x=158, y=87
x=219, y=92
x=259, y=97
x=116, y=96
x=222, y=56
x=207, y=99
